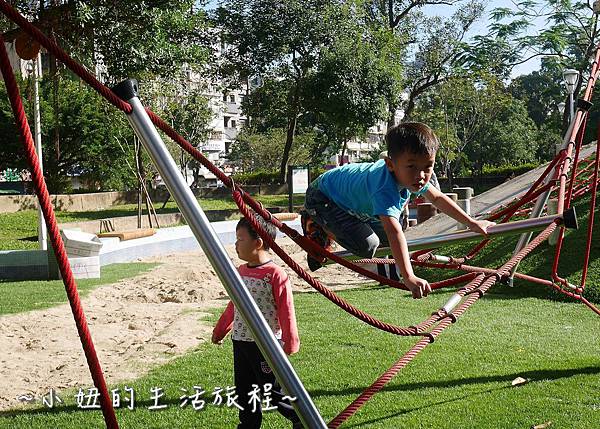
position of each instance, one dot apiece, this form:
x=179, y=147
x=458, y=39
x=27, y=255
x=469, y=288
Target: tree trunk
x=291, y=130
x=344, y=147
x=410, y=106
x=392, y=115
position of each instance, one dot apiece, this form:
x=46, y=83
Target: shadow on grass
x=532, y=376
x=433, y=404
x=68, y=409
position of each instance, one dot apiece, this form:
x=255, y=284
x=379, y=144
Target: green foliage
x=87, y=127
x=508, y=170
x=12, y=153
x=440, y=50
x=568, y=38
x=261, y=151
x=142, y=38
x=479, y=123
x=351, y=87
x=322, y=66
x=542, y=91
x=260, y=177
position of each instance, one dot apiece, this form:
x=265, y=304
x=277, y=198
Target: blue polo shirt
x=366, y=189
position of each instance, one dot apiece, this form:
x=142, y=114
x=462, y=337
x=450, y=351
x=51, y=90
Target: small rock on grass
x=519, y=381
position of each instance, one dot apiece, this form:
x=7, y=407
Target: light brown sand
x=136, y=324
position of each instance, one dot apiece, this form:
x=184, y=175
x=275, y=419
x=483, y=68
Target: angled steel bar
x=568, y=219
x=214, y=250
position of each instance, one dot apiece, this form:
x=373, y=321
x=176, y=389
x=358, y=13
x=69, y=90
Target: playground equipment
x=567, y=176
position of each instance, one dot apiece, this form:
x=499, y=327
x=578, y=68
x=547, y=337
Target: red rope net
x=479, y=279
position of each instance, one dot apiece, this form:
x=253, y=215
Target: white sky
x=478, y=28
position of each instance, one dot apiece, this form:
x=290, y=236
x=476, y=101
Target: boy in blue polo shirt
x=359, y=205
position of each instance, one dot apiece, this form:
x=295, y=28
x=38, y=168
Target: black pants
x=359, y=236
x=251, y=368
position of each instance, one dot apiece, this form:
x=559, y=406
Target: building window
x=226, y=121
x=224, y=97
x=228, y=147
x=232, y=98
x=233, y=124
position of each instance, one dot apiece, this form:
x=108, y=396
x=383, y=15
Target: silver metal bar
x=502, y=229
x=541, y=202
x=452, y=302
x=214, y=250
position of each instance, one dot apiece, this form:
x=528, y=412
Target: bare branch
x=411, y=6
x=584, y=28
x=538, y=54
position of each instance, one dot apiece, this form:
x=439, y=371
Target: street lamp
x=561, y=110
x=571, y=77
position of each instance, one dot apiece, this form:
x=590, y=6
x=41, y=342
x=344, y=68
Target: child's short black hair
x=269, y=227
x=411, y=137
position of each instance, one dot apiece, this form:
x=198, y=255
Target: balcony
x=213, y=147
x=230, y=133
x=232, y=108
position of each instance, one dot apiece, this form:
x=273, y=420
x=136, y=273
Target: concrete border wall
x=104, y=200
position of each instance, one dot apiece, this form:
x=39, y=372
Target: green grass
x=35, y=295
x=18, y=231
x=463, y=380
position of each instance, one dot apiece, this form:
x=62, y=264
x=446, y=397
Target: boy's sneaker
x=316, y=233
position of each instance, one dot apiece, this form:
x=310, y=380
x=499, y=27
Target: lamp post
x=571, y=76
x=561, y=111
x=34, y=70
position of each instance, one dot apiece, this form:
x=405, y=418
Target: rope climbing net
x=567, y=177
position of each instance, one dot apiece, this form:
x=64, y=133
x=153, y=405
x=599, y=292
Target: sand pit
x=136, y=324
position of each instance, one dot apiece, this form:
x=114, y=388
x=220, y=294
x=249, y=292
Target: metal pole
x=37, y=136
x=540, y=202
x=214, y=250
x=568, y=219
x=571, y=107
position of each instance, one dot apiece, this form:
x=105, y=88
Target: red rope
x=53, y=48
x=387, y=376
x=588, y=247
x=57, y=243
x=327, y=293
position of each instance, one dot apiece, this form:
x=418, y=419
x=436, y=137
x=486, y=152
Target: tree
x=350, y=88
x=478, y=121
x=150, y=38
x=439, y=51
x=541, y=90
x=277, y=40
x=87, y=126
x=260, y=151
x=568, y=39
x=430, y=48
x=116, y=40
